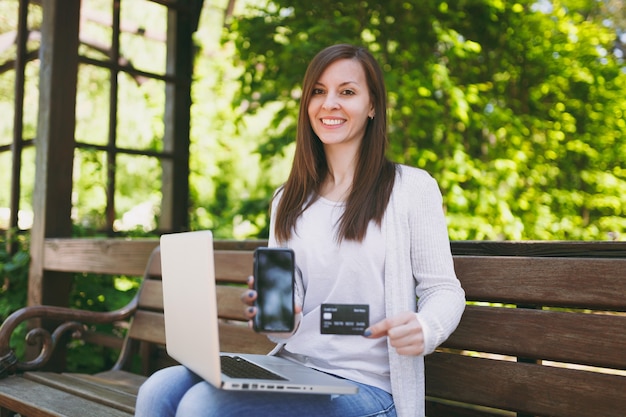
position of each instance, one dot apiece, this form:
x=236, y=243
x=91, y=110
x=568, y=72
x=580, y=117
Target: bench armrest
x=73, y=320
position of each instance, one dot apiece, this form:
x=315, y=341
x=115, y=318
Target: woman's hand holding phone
x=270, y=298
x=248, y=297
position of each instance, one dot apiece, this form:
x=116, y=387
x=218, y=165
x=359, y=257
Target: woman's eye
x=348, y=92
x=317, y=91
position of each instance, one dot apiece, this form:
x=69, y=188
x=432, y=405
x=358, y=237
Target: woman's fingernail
x=250, y=294
x=250, y=310
x=367, y=333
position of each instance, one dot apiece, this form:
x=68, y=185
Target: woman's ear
x=372, y=111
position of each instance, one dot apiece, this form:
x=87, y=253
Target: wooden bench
x=113, y=392
x=544, y=333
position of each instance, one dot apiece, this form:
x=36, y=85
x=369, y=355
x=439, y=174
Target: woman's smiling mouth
x=332, y=122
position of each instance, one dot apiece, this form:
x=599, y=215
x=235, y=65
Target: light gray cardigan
x=419, y=276
x=418, y=261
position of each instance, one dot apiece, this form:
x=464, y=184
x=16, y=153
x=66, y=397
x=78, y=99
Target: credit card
x=351, y=319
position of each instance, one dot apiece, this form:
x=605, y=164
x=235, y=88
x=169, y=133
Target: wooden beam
x=18, y=116
x=52, y=199
x=175, y=182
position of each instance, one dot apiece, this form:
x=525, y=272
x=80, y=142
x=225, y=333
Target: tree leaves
x=517, y=109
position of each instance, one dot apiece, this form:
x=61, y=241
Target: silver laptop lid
x=189, y=293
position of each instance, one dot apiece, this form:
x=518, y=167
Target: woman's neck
x=341, y=168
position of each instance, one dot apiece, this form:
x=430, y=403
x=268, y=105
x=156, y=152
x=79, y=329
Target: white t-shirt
x=346, y=273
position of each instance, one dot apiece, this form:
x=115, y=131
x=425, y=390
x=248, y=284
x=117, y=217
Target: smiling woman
x=366, y=232
x=339, y=111
x=343, y=83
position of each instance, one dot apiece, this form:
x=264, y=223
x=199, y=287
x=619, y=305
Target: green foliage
x=14, y=263
x=96, y=292
x=229, y=185
x=517, y=110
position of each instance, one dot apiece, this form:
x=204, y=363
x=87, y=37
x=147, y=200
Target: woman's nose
x=330, y=103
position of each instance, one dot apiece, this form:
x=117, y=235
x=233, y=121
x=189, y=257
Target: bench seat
x=50, y=394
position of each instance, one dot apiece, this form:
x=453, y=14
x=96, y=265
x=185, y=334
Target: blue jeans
x=176, y=391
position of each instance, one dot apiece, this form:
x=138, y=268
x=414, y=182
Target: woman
x=365, y=231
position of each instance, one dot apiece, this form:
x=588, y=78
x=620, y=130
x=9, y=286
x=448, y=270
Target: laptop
x=188, y=274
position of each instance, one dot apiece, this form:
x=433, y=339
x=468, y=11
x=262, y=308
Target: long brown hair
x=375, y=174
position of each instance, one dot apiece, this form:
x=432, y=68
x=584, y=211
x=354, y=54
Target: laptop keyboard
x=237, y=367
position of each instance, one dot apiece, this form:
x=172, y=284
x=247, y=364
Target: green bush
x=14, y=263
x=96, y=292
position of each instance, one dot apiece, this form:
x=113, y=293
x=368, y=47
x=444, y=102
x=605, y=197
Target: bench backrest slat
x=151, y=295
x=99, y=256
x=565, y=282
x=237, y=338
x=147, y=326
x=229, y=304
x=233, y=266
x=586, y=339
x=525, y=387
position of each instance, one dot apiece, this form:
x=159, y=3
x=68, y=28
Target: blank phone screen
x=274, y=285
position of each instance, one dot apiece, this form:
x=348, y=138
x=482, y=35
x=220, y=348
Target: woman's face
x=340, y=104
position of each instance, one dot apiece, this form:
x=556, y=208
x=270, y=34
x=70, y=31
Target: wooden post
x=18, y=120
x=181, y=24
x=52, y=197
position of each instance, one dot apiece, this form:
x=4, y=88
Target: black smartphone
x=274, y=275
